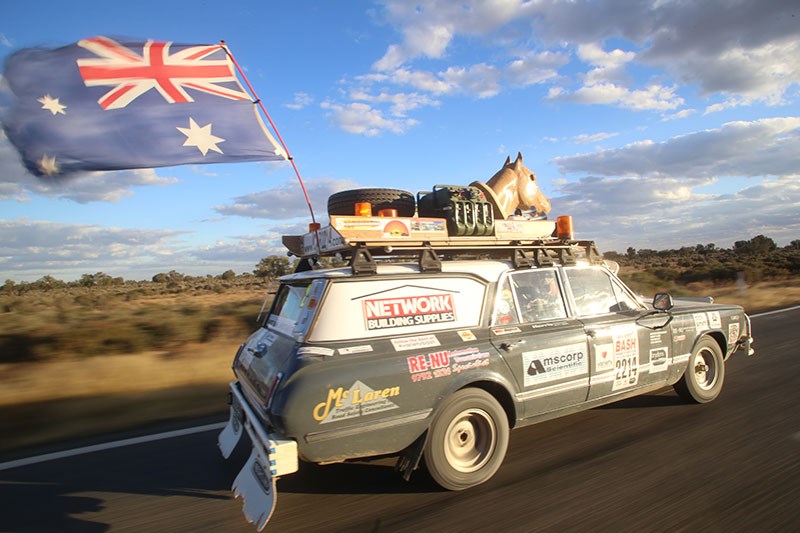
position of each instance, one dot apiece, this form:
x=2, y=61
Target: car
x=431, y=348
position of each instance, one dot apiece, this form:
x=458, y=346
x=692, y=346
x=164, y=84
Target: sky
x=654, y=124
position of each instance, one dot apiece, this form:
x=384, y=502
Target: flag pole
x=275, y=129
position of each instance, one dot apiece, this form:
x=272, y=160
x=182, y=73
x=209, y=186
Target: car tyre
x=467, y=440
x=343, y=202
x=703, y=378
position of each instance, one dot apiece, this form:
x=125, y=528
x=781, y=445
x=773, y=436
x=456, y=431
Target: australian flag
x=101, y=104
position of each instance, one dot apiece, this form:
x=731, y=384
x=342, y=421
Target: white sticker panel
x=543, y=366
x=414, y=343
x=604, y=357
x=700, y=321
x=381, y=308
x=626, y=360
x=659, y=359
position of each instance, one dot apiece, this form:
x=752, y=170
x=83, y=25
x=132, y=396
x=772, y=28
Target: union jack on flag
x=102, y=104
x=132, y=74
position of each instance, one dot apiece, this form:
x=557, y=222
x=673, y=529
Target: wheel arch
x=719, y=338
x=500, y=393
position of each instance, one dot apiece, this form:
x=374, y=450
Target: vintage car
x=431, y=348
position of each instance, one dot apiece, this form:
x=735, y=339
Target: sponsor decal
x=402, y=311
x=713, y=320
x=733, y=333
x=428, y=225
x=658, y=359
x=506, y=331
x=444, y=363
x=626, y=361
x=315, y=350
x=415, y=343
x=364, y=348
x=263, y=478
x=679, y=338
x=604, y=357
x=358, y=400
x=656, y=338
x=542, y=366
x=466, y=335
x=700, y=321
x=396, y=228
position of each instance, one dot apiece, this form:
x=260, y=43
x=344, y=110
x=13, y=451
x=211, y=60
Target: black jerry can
x=465, y=209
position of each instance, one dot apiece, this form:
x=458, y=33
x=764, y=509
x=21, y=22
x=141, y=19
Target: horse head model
x=514, y=187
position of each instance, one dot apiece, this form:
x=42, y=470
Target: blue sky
x=655, y=124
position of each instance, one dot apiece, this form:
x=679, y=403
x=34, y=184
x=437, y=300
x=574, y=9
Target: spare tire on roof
x=343, y=202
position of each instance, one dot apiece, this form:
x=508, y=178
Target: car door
x=624, y=354
x=544, y=347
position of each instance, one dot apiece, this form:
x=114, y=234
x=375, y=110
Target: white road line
x=109, y=445
x=775, y=312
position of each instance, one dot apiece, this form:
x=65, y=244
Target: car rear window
x=294, y=307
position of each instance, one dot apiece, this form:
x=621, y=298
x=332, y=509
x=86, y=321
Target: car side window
x=595, y=293
x=505, y=310
x=538, y=295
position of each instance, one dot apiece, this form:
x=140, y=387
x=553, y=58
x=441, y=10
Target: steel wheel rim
x=705, y=369
x=470, y=440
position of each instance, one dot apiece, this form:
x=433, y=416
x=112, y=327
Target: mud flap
x=256, y=485
x=232, y=432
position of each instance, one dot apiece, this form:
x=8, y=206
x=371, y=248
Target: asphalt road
x=650, y=463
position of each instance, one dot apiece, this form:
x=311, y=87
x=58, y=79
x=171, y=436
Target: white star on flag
x=52, y=104
x=48, y=166
x=201, y=137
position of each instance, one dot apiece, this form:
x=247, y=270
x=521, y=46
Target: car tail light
x=276, y=381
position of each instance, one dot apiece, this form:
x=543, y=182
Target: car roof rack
x=525, y=243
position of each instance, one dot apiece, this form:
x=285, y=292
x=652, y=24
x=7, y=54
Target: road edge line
x=108, y=446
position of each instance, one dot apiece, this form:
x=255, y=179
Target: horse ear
x=508, y=161
x=518, y=162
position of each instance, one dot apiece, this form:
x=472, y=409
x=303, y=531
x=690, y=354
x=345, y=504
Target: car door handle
x=510, y=345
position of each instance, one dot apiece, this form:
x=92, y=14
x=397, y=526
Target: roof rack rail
x=425, y=241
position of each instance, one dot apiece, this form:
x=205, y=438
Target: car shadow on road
x=356, y=478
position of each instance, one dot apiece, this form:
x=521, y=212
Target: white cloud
x=286, y=201
x=748, y=49
x=428, y=27
x=654, y=97
x=362, y=119
x=585, y=138
x=533, y=67
x=766, y=147
x=300, y=101
x=30, y=249
x=400, y=103
x=662, y=213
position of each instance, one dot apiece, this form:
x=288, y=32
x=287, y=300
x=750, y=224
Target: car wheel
x=467, y=440
x=703, y=378
x=343, y=202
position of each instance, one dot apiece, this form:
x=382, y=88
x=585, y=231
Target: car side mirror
x=662, y=301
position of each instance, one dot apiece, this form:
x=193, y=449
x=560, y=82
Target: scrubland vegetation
x=101, y=353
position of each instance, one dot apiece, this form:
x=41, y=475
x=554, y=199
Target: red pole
x=272, y=124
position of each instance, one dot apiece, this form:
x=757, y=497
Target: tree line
x=758, y=259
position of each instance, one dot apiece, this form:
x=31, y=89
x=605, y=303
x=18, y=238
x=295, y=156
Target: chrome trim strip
x=553, y=389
